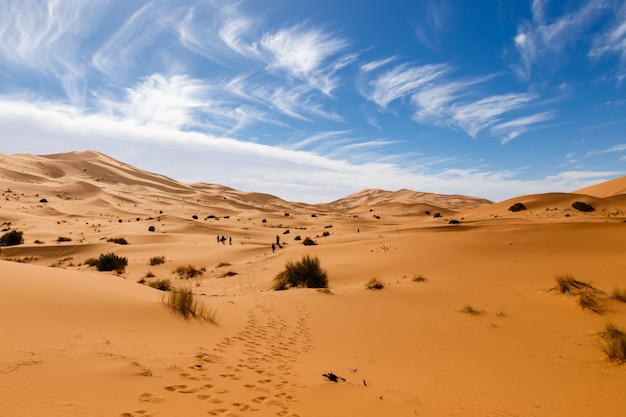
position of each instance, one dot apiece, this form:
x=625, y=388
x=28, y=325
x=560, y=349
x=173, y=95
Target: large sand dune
x=77, y=342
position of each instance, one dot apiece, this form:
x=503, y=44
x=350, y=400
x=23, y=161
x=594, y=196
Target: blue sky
x=313, y=100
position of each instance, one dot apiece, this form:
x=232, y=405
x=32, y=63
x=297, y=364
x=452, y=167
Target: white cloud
x=401, y=81
x=513, y=128
x=304, y=53
x=613, y=40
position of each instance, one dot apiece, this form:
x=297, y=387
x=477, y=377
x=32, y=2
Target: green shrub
x=374, y=284
x=118, y=240
x=517, y=207
x=613, y=343
x=581, y=206
x=111, y=262
x=161, y=284
x=157, y=260
x=309, y=242
x=12, y=238
x=189, y=271
x=184, y=302
x=306, y=272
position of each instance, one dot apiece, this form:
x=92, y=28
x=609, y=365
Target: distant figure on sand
x=273, y=248
x=223, y=239
x=230, y=240
x=277, y=240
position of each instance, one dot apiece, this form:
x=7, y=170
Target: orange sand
x=77, y=342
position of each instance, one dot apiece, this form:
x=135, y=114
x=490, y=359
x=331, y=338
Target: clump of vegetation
x=161, y=284
x=92, y=262
x=228, y=274
x=189, y=271
x=184, y=302
x=306, y=272
x=454, y=221
x=419, y=278
x=581, y=206
x=151, y=229
x=111, y=262
x=517, y=207
x=326, y=233
x=436, y=215
x=118, y=240
x=222, y=264
x=157, y=260
x=374, y=284
x=468, y=309
x=589, y=300
x=12, y=238
x=64, y=239
x=613, y=342
x=568, y=285
x=39, y=242
x=149, y=274
x=619, y=295
x=297, y=237
x=309, y=242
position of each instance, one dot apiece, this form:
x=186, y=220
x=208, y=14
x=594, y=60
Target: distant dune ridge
x=80, y=342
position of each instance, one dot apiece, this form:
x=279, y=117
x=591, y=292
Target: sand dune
x=80, y=342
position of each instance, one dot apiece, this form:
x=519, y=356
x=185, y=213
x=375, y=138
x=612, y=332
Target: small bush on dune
x=111, y=262
x=306, y=272
x=184, y=302
x=374, y=284
x=613, y=343
x=309, y=242
x=157, y=260
x=151, y=229
x=189, y=271
x=581, y=206
x=92, y=262
x=64, y=239
x=517, y=207
x=468, y=309
x=419, y=278
x=12, y=238
x=161, y=284
x=118, y=240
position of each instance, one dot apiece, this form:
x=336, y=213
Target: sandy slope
x=79, y=342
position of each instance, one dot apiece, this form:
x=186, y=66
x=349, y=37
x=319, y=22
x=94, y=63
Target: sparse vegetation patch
x=157, y=260
x=184, y=302
x=468, y=309
x=161, y=284
x=306, y=272
x=619, y=295
x=374, y=284
x=582, y=206
x=118, y=240
x=111, y=262
x=189, y=271
x=613, y=343
x=568, y=285
x=12, y=238
x=517, y=207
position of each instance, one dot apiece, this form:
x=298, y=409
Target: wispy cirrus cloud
x=401, y=81
x=513, y=128
x=613, y=41
x=306, y=53
x=544, y=37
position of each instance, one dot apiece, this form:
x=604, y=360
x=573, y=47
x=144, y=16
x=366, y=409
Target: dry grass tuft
x=184, y=302
x=468, y=309
x=419, y=278
x=374, y=284
x=613, y=342
x=568, y=285
x=589, y=300
x=619, y=295
x=189, y=271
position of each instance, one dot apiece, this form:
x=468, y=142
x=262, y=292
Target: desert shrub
x=374, y=284
x=12, y=238
x=613, y=342
x=157, y=260
x=588, y=300
x=468, y=309
x=306, y=272
x=568, y=285
x=419, y=278
x=92, y=262
x=297, y=238
x=581, y=206
x=195, y=217
x=326, y=233
x=189, y=271
x=619, y=295
x=151, y=229
x=43, y=200
x=184, y=302
x=222, y=264
x=111, y=262
x=309, y=242
x=38, y=242
x=161, y=284
x=149, y=274
x=64, y=239
x=517, y=207
x=437, y=215
x=118, y=240
x=228, y=274
x=454, y=221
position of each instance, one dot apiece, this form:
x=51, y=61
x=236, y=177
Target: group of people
x=276, y=244
x=223, y=239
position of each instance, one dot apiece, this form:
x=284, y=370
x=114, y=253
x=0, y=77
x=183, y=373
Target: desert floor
x=77, y=342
